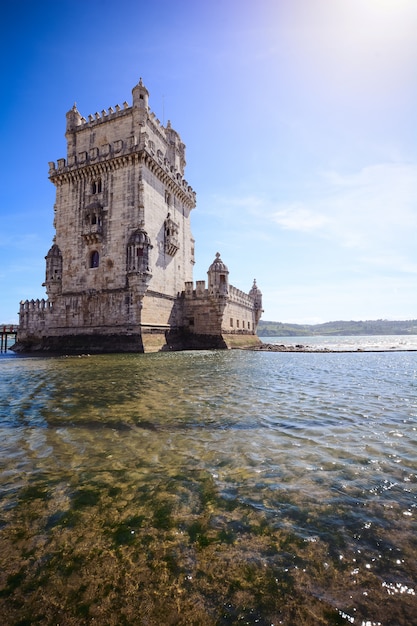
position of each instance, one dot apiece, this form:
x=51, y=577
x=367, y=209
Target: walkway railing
x=7, y=331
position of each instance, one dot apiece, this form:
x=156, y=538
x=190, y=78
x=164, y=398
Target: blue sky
x=299, y=118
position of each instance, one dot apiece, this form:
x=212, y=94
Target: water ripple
x=321, y=447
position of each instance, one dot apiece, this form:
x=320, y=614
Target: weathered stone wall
x=159, y=310
x=239, y=315
x=206, y=313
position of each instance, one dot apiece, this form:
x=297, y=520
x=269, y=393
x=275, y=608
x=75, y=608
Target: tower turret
x=256, y=294
x=53, y=274
x=74, y=118
x=138, y=262
x=176, y=149
x=140, y=96
x=218, y=277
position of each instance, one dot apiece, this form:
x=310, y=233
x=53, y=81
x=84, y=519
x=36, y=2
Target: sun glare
x=391, y=5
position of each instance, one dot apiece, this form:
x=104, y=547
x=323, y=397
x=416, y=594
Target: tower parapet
x=119, y=137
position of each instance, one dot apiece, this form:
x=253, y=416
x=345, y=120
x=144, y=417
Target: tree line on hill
x=368, y=327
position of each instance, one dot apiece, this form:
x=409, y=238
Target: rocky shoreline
x=273, y=347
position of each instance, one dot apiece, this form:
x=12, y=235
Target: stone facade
x=119, y=275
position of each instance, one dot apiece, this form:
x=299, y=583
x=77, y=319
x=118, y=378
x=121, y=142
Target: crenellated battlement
x=240, y=297
x=115, y=155
x=33, y=316
x=76, y=122
x=35, y=305
x=110, y=114
x=233, y=295
x=116, y=137
x=116, y=113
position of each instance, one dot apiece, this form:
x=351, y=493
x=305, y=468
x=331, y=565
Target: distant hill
x=369, y=327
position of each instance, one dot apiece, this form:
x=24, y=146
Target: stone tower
x=123, y=254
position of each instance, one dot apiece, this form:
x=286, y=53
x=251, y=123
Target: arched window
x=94, y=259
x=138, y=248
x=96, y=186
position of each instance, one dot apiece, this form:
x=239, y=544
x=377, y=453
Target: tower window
x=171, y=242
x=96, y=186
x=94, y=259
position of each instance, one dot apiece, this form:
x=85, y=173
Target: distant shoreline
x=405, y=328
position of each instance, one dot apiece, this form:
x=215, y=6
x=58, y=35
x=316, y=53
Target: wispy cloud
x=373, y=209
x=300, y=217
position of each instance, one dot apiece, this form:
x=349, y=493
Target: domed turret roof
x=142, y=86
x=54, y=251
x=218, y=265
x=255, y=289
x=139, y=237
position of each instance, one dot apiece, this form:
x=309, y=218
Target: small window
x=231, y=321
x=94, y=259
x=96, y=186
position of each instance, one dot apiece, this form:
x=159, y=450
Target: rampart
x=232, y=294
x=34, y=315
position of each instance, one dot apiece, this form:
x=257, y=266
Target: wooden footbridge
x=7, y=331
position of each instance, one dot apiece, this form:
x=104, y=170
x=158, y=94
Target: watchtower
x=123, y=249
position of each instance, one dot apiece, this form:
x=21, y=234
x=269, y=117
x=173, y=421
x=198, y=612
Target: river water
x=210, y=487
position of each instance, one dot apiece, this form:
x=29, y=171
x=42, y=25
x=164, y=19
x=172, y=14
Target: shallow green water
x=208, y=488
